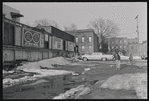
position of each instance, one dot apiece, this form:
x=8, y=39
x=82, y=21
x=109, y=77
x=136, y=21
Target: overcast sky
x=122, y=13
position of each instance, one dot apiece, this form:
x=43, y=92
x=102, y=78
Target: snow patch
x=75, y=92
x=137, y=82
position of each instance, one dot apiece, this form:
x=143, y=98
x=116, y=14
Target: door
x=64, y=45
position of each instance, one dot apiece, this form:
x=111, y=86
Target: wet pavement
x=89, y=73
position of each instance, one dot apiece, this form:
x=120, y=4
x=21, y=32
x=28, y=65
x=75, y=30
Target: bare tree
x=46, y=22
x=104, y=28
x=70, y=27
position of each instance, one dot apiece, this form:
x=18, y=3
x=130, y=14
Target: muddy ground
x=53, y=86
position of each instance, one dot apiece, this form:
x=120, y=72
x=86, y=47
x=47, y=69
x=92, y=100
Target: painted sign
x=31, y=37
x=57, y=43
x=70, y=46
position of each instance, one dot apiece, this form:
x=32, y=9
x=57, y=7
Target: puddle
x=45, y=88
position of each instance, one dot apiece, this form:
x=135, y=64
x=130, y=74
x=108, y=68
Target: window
x=83, y=47
x=121, y=47
x=124, y=46
x=82, y=39
x=90, y=39
x=9, y=33
x=76, y=39
x=46, y=37
x=90, y=48
x=46, y=43
x=120, y=41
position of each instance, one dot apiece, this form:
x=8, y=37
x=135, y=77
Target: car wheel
x=85, y=59
x=104, y=59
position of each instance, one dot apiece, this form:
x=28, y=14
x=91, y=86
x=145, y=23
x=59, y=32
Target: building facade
x=119, y=43
x=133, y=46
x=143, y=50
x=86, y=40
x=21, y=41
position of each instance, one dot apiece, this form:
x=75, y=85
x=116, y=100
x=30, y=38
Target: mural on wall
x=31, y=38
x=57, y=43
x=70, y=46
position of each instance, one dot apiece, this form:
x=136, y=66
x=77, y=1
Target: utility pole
x=137, y=27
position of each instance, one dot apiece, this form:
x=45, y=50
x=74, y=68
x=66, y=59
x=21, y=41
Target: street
x=89, y=73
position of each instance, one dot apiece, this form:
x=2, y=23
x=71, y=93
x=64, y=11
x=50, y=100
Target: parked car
x=144, y=57
x=97, y=56
x=124, y=57
x=136, y=57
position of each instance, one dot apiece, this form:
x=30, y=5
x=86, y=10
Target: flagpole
x=137, y=27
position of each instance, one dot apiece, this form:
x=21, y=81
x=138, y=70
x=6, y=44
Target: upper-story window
x=120, y=41
x=82, y=39
x=76, y=39
x=90, y=39
x=83, y=47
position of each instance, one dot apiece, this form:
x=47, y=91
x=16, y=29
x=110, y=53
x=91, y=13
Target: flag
x=136, y=17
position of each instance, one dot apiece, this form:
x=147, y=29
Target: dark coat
x=117, y=56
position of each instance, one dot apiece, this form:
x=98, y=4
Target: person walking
x=130, y=58
x=117, y=60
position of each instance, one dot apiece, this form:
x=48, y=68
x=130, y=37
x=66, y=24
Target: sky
x=81, y=13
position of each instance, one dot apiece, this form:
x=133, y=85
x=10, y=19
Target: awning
x=15, y=15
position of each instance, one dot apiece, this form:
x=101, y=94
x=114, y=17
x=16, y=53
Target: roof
x=14, y=15
x=81, y=30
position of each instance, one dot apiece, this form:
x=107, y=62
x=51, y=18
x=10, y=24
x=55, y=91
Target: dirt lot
x=95, y=71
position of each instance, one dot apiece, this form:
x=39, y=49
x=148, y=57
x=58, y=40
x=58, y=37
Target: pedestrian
x=130, y=59
x=117, y=60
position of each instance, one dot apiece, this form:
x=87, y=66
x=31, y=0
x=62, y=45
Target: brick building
x=133, y=46
x=86, y=40
x=119, y=43
x=143, y=50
